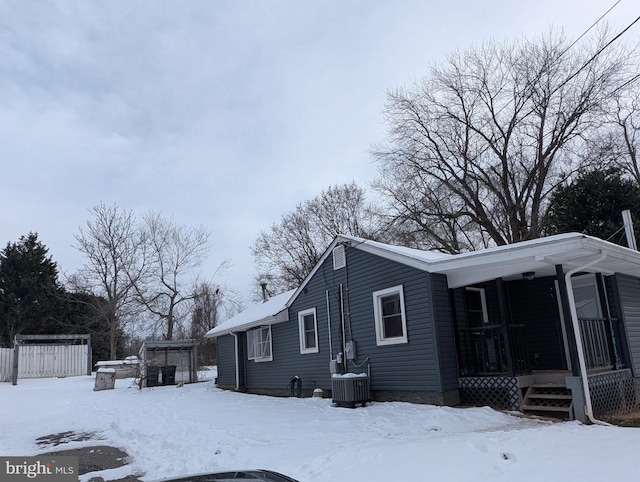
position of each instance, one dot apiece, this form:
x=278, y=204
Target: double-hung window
x=308, y=328
x=259, y=344
x=389, y=312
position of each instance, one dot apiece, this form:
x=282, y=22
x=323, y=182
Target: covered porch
x=533, y=366
x=550, y=331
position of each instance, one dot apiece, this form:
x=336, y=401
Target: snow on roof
x=418, y=254
x=265, y=313
x=540, y=256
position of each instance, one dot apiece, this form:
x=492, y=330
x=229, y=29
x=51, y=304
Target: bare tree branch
x=476, y=147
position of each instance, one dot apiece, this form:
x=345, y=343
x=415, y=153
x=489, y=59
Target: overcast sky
x=225, y=114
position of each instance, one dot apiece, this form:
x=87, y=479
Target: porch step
x=549, y=398
x=542, y=408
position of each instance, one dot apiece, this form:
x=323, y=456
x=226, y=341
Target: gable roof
x=540, y=256
x=266, y=313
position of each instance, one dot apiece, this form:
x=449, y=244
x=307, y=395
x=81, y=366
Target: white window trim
x=483, y=302
x=251, y=336
x=377, y=311
x=301, y=315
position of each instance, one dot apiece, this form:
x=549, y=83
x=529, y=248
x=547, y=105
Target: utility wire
x=630, y=81
x=592, y=25
x=587, y=63
x=598, y=53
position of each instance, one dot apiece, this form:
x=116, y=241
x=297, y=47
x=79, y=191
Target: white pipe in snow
x=578, y=337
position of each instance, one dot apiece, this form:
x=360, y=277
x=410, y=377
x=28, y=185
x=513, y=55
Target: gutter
x=235, y=336
x=578, y=337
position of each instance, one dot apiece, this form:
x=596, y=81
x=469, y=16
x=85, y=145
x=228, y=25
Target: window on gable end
x=308, y=330
x=390, y=318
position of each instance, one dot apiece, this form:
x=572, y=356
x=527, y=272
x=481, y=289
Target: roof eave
x=279, y=317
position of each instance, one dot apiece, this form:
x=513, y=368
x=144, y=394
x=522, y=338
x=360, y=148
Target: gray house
x=550, y=325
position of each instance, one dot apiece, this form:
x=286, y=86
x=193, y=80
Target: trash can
x=152, y=376
x=169, y=375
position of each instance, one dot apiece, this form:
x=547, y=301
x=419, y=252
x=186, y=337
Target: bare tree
x=286, y=253
x=476, y=147
x=624, y=136
x=207, y=303
x=172, y=256
x=211, y=302
x=110, y=244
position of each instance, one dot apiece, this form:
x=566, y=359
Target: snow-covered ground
x=197, y=428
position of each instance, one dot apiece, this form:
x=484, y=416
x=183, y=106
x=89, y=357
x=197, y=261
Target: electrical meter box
x=350, y=350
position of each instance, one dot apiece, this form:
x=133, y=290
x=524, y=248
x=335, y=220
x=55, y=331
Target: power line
x=592, y=25
x=599, y=52
x=630, y=81
x=589, y=61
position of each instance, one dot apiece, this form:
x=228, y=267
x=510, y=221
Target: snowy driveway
x=198, y=428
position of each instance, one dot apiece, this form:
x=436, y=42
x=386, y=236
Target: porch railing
x=486, y=351
x=599, y=341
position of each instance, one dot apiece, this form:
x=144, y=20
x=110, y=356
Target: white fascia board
x=569, y=249
x=518, y=252
x=269, y=320
x=338, y=239
x=405, y=259
x=378, y=249
x=274, y=310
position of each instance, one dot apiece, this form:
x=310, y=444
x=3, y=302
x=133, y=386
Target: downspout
x=578, y=337
x=235, y=336
x=342, y=330
x=329, y=325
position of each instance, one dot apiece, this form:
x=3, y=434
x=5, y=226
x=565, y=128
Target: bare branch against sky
x=222, y=114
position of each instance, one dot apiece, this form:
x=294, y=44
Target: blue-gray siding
x=426, y=363
x=629, y=299
x=226, y=360
x=312, y=368
x=410, y=366
x=447, y=356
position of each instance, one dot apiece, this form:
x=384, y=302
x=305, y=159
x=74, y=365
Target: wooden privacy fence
x=6, y=364
x=42, y=361
x=41, y=356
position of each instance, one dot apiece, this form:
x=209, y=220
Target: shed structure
x=168, y=362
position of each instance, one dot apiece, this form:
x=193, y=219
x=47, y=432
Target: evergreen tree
x=592, y=204
x=30, y=294
x=81, y=317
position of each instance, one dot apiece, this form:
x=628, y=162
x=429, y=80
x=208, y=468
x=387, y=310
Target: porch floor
x=543, y=377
